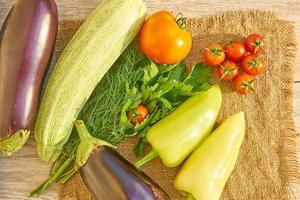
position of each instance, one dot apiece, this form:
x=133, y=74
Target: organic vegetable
x=228, y=70
x=235, y=51
x=83, y=63
x=245, y=83
x=137, y=115
x=254, y=44
x=102, y=112
x=27, y=41
x=174, y=137
x=108, y=175
x=253, y=65
x=164, y=38
x=204, y=174
x=214, y=55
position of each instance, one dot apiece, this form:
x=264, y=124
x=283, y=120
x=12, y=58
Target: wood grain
x=26, y=171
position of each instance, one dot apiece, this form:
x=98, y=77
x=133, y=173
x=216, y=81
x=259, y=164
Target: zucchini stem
x=38, y=191
x=150, y=156
x=66, y=176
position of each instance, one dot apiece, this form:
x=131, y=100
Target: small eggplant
x=105, y=172
x=108, y=175
x=27, y=41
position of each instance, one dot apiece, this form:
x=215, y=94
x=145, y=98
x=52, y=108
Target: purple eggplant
x=27, y=41
x=108, y=175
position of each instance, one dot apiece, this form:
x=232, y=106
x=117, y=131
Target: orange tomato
x=214, y=55
x=164, y=39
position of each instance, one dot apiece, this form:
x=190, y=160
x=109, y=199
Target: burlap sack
x=267, y=162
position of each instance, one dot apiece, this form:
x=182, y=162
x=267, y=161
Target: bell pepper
x=206, y=171
x=174, y=137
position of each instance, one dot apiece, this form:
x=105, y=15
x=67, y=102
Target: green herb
x=102, y=112
x=162, y=89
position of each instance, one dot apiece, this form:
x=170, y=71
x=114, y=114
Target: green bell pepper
x=206, y=171
x=174, y=137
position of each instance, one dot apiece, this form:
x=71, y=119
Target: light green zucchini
x=91, y=52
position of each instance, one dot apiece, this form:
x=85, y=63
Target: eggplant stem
x=150, y=156
x=66, y=176
x=14, y=142
x=190, y=197
x=87, y=143
x=38, y=191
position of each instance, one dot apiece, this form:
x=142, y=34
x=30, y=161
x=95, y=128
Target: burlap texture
x=267, y=163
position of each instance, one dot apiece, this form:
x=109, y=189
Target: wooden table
x=27, y=171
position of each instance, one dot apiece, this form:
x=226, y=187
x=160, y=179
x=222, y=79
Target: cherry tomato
x=164, y=39
x=254, y=44
x=245, y=83
x=137, y=115
x=235, y=51
x=228, y=70
x=214, y=55
x=253, y=65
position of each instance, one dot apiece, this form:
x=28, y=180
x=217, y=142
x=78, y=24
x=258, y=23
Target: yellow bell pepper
x=206, y=171
x=174, y=137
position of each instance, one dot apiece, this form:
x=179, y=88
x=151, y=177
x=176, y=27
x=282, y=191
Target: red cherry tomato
x=235, y=51
x=214, y=55
x=137, y=115
x=228, y=70
x=245, y=83
x=254, y=44
x=253, y=65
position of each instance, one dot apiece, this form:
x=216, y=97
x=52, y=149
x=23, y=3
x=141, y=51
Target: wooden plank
x=23, y=172
x=297, y=115
x=28, y=170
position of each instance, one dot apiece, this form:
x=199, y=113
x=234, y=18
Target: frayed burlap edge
x=289, y=161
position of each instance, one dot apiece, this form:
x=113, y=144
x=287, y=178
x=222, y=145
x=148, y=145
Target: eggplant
x=108, y=175
x=27, y=41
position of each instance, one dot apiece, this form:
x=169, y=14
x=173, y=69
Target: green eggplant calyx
x=87, y=144
x=15, y=142
x=150, y=156
x=190, y=197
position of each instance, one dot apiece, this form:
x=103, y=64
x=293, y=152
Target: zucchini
x=91, y=52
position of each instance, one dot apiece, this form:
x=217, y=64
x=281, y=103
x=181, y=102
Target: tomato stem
x=180, y=20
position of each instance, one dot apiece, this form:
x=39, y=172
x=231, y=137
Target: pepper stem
x=150, y=156
x=190, y=197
